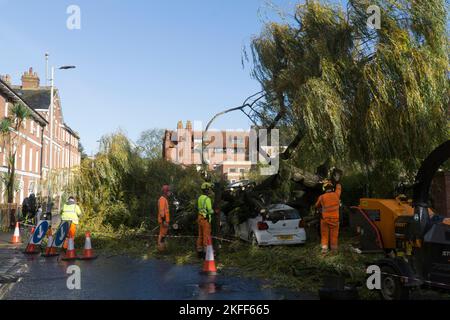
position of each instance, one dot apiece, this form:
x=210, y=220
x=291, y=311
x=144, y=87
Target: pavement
x=13, y=263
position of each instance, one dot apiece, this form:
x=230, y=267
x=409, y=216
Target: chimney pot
x=7, y=79
x=30, y=80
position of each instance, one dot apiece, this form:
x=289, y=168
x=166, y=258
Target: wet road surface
x=122, y=277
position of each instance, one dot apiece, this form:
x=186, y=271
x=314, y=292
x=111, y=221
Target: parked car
x=277, y=224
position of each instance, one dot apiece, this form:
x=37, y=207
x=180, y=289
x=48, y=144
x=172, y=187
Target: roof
x=14, y=96
x=280, y=206
x=74, y=133
x=38, y=99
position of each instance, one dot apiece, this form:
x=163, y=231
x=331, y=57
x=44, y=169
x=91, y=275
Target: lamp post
x=52, y=92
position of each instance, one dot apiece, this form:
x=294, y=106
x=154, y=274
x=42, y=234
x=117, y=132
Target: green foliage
x=150, y=142
x=119, y=188
x=363, y=98
x=10, y=128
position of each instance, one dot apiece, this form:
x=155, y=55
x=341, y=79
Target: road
x=122, y=277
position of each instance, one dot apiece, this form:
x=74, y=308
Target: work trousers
x=329, y=229
x=204, y=233
x=71, y=234
x=163, y=231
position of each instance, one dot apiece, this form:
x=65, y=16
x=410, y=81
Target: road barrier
x=209, y=266
x=15, y=239
x=70, y=253
x=88, y=253
x=50, y=250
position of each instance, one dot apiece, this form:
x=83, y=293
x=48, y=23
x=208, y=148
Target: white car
x=276, y=225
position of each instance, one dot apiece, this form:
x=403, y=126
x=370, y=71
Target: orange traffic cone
x=70, y=253
x=50, y=251
x=209, y=266
x=15, y=239
x=88, y=253
x=31, y=248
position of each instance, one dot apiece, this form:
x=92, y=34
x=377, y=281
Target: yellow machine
x=385, y=214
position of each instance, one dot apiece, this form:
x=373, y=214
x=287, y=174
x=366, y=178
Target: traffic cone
x=209, y=266
x=50, y=250
x=15, y=239
x=31, y=248
x=70, y=253
x=88, y=253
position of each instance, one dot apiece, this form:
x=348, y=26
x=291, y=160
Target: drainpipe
x=42, y=156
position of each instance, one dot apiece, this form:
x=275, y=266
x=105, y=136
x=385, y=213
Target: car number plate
x=285, y=237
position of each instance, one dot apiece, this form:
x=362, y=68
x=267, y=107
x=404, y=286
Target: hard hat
x=165, y=188
x=206, y=186
x=328, y=186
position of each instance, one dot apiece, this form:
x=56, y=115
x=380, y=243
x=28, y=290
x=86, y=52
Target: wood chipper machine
x=416, y=240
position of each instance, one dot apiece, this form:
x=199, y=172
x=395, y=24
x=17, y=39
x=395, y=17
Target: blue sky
x=140, y=64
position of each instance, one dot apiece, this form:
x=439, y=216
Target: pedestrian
x=205, y=212
x=38, y=214
x=329, y=204
x=71, y=212
x=163, y=218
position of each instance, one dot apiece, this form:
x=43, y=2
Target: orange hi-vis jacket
x=163, y=210
x=329, y=203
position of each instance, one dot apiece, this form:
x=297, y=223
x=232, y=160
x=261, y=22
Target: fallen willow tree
x=366, y=99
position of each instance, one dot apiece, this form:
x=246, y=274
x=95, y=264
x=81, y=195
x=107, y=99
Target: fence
x=9, y=214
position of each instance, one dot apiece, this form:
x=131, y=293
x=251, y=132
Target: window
x=23, y=157
x=37, y=161
x=232, y=170
x=30, y=161
x=242, y=170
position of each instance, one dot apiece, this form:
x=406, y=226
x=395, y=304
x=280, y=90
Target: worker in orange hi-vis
x=329, y=204
x=163, y=217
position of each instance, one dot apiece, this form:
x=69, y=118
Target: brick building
x=226, y=152
x=34, y=164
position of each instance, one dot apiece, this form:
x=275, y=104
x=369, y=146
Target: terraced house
x=48, y=148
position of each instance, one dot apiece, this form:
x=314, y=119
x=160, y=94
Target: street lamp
x=52, y=92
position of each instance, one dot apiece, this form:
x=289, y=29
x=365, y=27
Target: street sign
x=40, y=232
x=61, y=234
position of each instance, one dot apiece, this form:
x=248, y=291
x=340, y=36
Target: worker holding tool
x=71, y=212
x=163, y=218
x=329, y=204
x=205, y=212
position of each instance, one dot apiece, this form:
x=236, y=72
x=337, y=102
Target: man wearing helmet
x=205, y=212
x=329, y=204
x=163, y=217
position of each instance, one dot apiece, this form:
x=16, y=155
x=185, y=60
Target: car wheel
x=253, y=240
x=391, y=286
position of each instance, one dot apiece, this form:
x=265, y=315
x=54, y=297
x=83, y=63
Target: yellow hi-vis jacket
x=205, y=207
x=71, y=212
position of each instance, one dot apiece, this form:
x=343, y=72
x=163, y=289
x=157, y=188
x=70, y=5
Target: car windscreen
x=277, y=215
